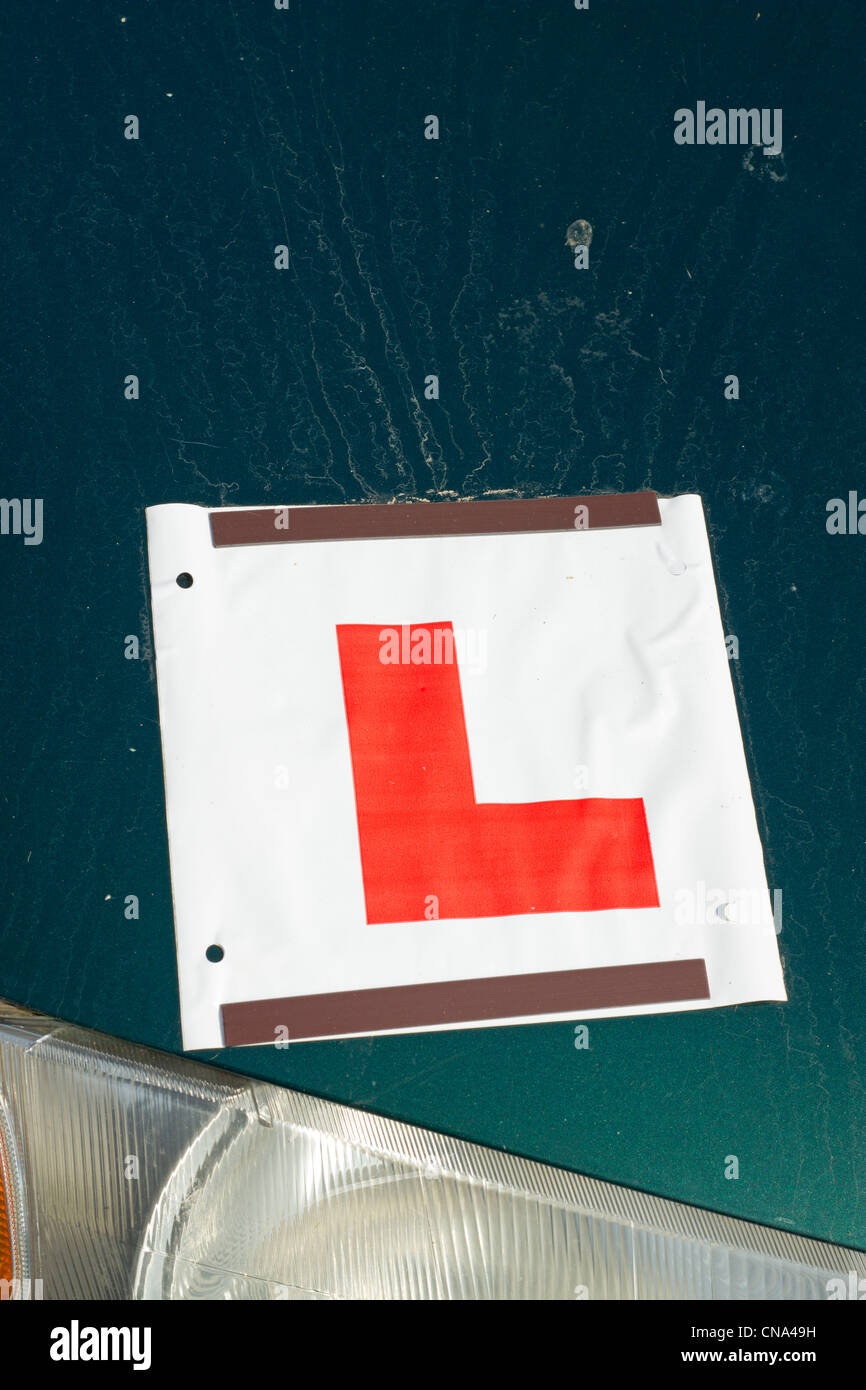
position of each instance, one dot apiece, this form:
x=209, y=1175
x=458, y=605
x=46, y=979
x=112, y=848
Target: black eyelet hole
x=214, y=954
x=184, y=580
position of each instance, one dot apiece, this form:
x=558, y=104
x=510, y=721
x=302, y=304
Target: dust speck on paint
x=579, y=233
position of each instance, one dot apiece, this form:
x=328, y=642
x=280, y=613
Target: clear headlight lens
x=125, y=1173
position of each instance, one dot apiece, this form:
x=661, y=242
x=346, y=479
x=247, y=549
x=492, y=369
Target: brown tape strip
x=464, y=1001
x=259, y=526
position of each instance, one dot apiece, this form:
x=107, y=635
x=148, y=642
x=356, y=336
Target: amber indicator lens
x=6, y=1271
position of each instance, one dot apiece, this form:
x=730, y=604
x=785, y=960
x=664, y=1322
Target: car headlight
x=126, y=1173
